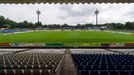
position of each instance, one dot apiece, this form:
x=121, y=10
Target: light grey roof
x=65, y=1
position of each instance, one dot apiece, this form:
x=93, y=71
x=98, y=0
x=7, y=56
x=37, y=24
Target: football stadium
x=67, y=41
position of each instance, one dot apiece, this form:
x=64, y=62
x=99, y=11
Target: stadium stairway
x=68, y=67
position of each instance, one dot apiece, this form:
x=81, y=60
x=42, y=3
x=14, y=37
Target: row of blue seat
x=12, y=30
x=104, y=64
x=105, y=67
x=87, y=72
x=105, y=59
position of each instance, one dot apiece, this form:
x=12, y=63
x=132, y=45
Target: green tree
x=1, y=21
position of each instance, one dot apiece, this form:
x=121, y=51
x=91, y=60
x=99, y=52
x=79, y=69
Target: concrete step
x=68, y=67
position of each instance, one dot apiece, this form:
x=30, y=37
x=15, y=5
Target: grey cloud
x=130, y=13
x=85, y=10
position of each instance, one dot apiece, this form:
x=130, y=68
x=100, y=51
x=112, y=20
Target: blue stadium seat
x=88, y=67
x=80, y=67
x=103, y=67
x=84, y=63
x=124, y=73
x=95, y=67
x=132, y=73
x=111, y=67
x=119, y=67
x=84, y=72
x=127, y=67
x=132, y=67
x=113, y=73
x=94, y=73
x=103, y=73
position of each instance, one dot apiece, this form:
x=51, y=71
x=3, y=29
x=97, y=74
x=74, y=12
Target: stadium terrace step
x=68, y=66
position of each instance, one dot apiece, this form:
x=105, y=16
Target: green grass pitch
x=66, y=37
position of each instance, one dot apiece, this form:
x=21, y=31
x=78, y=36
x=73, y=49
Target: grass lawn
x=66, y=37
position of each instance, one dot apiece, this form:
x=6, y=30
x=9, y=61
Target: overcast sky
x=70, y=13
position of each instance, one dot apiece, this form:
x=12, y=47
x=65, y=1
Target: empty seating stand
x=29, y=63
x=104, y=64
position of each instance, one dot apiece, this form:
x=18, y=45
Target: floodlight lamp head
x=96, y=11
x=38, y=12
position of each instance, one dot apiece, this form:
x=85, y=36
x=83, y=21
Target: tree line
x=10, y=24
